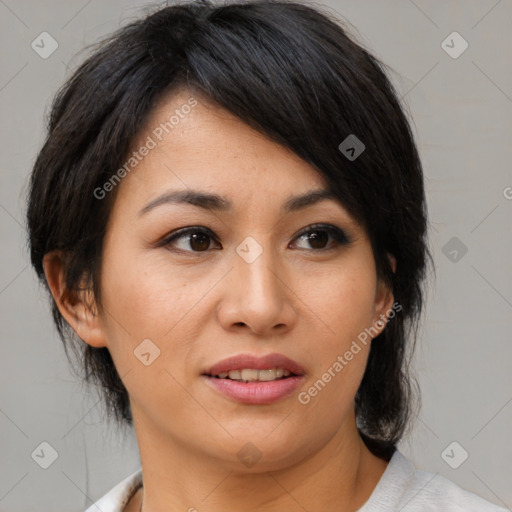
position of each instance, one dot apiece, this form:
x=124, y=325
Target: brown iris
x=318, y=237
x=199, y=241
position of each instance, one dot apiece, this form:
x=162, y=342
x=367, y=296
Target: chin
x=262, y=449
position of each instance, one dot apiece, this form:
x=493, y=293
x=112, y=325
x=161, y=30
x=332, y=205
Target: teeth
x=251, y=375
x=248, y=375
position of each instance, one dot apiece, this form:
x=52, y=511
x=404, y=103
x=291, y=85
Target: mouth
x=255, y=380
x=254, y=375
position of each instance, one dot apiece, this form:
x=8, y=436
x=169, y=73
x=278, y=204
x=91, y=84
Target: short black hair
x=292, y=72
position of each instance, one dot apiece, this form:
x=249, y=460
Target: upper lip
x=243, y=361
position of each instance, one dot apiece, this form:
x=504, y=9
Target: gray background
x=462, y=120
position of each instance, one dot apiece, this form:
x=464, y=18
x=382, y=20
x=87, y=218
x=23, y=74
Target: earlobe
x=76, y=306
x=383, y=305
x=392, y=262
x=384, y=299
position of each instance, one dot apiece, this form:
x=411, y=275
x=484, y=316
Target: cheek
x=344, y=300
x=145, y=302
x=152, y=299
x=147, y=299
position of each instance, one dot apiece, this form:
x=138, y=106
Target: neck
x=339, y=475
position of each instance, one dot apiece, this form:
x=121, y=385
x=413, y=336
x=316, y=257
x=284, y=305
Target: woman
x=229, y=214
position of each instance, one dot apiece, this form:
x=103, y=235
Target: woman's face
x=252, y=284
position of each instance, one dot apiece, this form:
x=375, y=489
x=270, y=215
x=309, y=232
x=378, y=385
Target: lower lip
x=259, y=393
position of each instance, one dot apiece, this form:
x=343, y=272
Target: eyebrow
x=214, y=202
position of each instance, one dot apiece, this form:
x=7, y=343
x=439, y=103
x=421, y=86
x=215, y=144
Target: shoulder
x=433, y=492
x=403, y=487
x=116, y=499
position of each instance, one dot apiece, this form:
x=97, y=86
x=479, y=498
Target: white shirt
x=401, y=488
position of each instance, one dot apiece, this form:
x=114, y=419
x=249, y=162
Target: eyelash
x=337, y=234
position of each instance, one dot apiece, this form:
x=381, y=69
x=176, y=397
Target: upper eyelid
x=319, y=226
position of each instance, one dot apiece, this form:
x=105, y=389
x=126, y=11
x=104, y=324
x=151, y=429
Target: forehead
x=194, y=144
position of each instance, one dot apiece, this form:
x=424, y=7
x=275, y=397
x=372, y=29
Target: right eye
x=192, y=240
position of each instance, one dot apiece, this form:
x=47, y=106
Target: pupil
x=318, y=237
x=200, y=238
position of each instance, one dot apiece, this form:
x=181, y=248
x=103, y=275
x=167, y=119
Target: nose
x=256, y=296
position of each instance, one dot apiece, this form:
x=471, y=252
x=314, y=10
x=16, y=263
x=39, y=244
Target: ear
x=78, y=307
x=384, y=300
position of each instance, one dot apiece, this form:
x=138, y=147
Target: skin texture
x=296, y=298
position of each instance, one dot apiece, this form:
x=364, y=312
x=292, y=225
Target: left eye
x=318, y=236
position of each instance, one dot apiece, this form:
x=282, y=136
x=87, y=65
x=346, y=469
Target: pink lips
x=260, y=393
x=257, y=363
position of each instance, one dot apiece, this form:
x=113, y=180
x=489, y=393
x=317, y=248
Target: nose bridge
x=256, y=295
x=255, y=266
